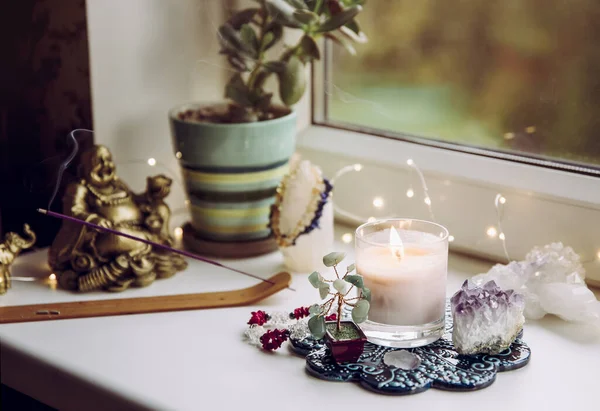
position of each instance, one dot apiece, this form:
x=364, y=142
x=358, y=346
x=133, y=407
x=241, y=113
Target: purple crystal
x=487, y=319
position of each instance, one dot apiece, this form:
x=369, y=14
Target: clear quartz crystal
x=486, y=319
x=551, y=279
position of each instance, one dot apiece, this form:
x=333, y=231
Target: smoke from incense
x=152, y=243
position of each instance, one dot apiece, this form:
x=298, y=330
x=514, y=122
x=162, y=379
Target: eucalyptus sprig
x=249, y=34
x=342, y=285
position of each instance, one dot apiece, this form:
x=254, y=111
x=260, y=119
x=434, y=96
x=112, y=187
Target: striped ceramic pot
x=231, y=172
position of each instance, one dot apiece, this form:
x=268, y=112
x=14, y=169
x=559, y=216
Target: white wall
x=147, y=56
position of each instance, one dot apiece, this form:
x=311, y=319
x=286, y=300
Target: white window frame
x=543, y=205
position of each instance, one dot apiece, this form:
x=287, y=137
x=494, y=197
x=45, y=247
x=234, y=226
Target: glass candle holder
x=404, y=262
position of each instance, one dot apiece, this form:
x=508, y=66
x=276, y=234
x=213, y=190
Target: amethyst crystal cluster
x=486, y=319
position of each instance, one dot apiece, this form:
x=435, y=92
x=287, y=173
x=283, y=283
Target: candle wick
x=398, y=254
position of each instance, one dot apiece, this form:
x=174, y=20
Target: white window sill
x=543, y=205
x=196, y=359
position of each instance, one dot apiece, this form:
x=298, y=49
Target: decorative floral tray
x=438, y=365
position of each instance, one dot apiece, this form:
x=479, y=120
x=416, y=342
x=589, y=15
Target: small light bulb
x=410, y=162
x=371, y=220
x=178, y=154
x=598, y=255
x=502, y=200
x=358, y=167
x=530, y=129
x=502, y=236
x=178, y=232
x=509, y=136
x=450, y=238
x=347, y=238
x=492, y=232
x=151, y=161
x=427, y=201
x=52, y=277
x=378, y=202
x=410, y=193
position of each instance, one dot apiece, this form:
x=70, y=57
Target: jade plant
x=342, y=285
x=249, y=38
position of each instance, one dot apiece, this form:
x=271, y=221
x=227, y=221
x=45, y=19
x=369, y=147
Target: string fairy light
x=499, y=204
x=151, y=162
x=347, y=238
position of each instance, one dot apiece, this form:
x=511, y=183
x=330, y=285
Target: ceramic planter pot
x=231, y=172
x=345, y=350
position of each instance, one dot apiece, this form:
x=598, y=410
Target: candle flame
x=396, y=246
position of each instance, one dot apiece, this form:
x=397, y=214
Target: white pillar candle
x=407, y=277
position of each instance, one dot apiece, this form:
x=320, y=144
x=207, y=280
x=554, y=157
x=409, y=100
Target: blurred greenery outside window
x=515, y=75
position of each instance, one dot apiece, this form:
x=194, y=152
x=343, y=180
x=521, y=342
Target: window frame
x=570, y=198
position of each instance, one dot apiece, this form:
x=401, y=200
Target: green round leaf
x=292, y=81
x=316, y=325
x=309, y=50
x=314, y=309
x=355, y=279
x=341, y=286
x=334, y=258
x=324, y=290
x=315, y=279
x=360, y=311
x=305, y=16
x=366, y=294
x=350, y=268
x=242, y=17
x=339, y=19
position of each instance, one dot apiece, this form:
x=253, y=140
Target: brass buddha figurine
x=9, y=250
x=86, y=259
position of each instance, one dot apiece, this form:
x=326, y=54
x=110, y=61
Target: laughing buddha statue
x=86, y=259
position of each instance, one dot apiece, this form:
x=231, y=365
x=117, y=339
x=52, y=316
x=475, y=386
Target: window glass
x=514, y=75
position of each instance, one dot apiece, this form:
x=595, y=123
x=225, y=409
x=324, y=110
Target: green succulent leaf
x=237, y=90
x=237, y=62
x=249, y=38
x=273, y=33
x=324, y=290
x=350, y=268
x=231, y=40
x=355, y=279
x=353, y=25
x=292, y=81
x=314, y=309
x=315, y=279
x=305, y=16
x=309, y=50
x=275, y=66
x=366, y=293
x=299, y=4
x=342, y=41
x=242, y=17
x=334, y=258
x=316, y=325
x=282, y=12
x=339, y=19
x=341, y=286
x=360, y=311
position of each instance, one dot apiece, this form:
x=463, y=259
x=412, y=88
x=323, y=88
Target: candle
x=406, y=270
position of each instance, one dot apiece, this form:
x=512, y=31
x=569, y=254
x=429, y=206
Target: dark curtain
x=45, y=83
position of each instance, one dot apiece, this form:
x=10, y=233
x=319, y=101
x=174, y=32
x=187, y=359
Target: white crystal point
x=551, y=279
x=486, y=319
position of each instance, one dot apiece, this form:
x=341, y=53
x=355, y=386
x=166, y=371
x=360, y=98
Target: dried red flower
x=272, y=340
x=300, y=313
x=331, y=317
x=258, y=317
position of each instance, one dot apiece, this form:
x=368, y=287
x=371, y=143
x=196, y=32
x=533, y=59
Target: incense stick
x=152, y=243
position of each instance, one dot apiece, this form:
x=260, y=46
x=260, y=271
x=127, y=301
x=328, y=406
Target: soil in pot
x=347, y=343
x=230, y=114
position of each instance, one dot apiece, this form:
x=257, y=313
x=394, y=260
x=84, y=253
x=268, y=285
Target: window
x=508, y=76
x=486, y=99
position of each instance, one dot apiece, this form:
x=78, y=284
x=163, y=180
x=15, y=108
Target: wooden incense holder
x=143, y=305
